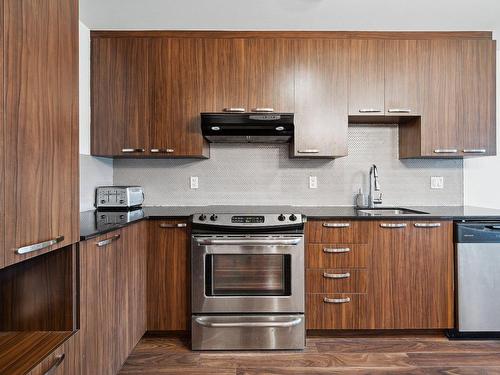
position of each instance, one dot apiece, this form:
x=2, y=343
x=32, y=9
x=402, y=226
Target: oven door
x=247, y=274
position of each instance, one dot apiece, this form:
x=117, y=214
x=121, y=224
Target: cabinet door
x=406, y=62
x=270, y=74
x=476, y=93
x=321, y=80
x=366, y=94
x=41, y=126
x=2, y=152
x=168, y=277
x=175, y=66
x=223, y=72
x=120, y=96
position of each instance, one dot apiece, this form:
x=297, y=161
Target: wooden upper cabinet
x=406, y=62
x=2, y=153
x=366, y=94
x=321, y=92
x=176, y=100
x=120, y=96
x=476, y=106
x=270, y=74
x=41, y=125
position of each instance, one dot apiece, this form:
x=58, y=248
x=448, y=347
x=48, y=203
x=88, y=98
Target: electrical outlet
x=437, y=182
x=313, y=182
x=194, y=182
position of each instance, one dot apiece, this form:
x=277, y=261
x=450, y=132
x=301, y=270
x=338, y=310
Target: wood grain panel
x=2, y=152
x=356, y=256
x=321, y=91
x=317, y=282
x=350, y=315
x=41, y=123
x=366, y=77
x=354, y=232
x=168, y=301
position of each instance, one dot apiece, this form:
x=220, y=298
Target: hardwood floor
x=415, y=354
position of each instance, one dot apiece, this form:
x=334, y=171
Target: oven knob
x=213, y=217
x=202, y=217
x=281, y=217
x=293, y=217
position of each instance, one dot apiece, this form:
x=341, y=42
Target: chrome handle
x=336, y=300
x=249, y=242
x=39, y=246
x=310, y=151
x=290, y=323
x=263, y=110
x=327, y=275
x=179, y=225
x=107, y=241
x=234, y=110
x=393, y=226
x=369, y=110
x=336, y=251
x=446, y=151
x=162, y=150
x=336, y=225
x=58, y=360
x=131, y=150
x=399, y=110
x=475, y=151
x=427, y=225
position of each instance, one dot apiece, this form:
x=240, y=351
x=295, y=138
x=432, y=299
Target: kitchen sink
x=389, y=211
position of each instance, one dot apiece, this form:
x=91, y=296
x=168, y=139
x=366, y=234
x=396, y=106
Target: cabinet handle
x=336, y=300
x=336, y=251
x=234, y=110
x=162, y=150
x=131, y=150
x=336, y=225
x=268, y=109
x=427, y=225
x=39, y=246
x=179, y=225
x=327, y=275
x=475, y=151
x=108, y=241
x=309, y=151
x=58, y=360
x=446, y=151
x=369, y=110
x=399, y=110
x=393, y=226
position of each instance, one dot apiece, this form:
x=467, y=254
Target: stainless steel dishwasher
x=478, y=280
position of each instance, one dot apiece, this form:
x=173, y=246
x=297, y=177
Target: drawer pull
x=446, y=151
x=369, y=110
x=399, y=110
x=179, y=225
x=131, y=150
x=427, y=225
x=237, y=110
x=39, y=246
x=264, y=110
x=58, y=360
x=162, y=150
x=337, y=300
x=336, y=251
x=311, y=151
x=475, y=151
x=108, y=241
x=336, y=225
x=327, y=275
x=393, y=226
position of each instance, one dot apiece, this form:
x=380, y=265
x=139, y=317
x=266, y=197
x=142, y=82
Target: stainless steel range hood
x=247, y=127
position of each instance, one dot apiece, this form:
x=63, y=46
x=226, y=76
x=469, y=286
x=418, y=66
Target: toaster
x=119, y=197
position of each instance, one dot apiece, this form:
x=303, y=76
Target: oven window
x=248, y=275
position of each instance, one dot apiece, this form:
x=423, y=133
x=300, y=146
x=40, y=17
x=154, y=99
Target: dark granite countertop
x=91, y=226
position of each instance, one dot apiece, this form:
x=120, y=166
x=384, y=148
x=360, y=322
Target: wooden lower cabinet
x=65, y=360
x=168, y=276
x=336, y=311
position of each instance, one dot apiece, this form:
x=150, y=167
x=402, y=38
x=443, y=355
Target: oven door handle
x=249, y=242
x=289, y=323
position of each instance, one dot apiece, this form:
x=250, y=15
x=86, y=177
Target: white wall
x=482, y=175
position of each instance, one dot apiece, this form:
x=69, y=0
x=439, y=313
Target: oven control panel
x=250, y=220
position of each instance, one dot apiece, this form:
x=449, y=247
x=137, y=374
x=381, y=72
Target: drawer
x=336, y=311
x=52, y=364
x=337, y=231
x=337, y=256
x=336, y=280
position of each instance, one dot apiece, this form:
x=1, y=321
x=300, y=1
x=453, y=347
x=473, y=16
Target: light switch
x=437, y=182
x=194, y=182
x=313, y=182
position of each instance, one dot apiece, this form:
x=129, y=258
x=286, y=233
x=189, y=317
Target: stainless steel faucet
x=374, y=186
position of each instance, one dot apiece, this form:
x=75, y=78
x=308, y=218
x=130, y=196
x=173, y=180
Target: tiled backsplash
x=264, y=175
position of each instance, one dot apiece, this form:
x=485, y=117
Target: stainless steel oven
x=247, y=282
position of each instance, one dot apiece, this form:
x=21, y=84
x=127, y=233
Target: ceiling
x=376, y=15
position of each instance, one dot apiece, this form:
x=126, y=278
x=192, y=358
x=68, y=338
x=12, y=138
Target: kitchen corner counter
x=90, y=226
